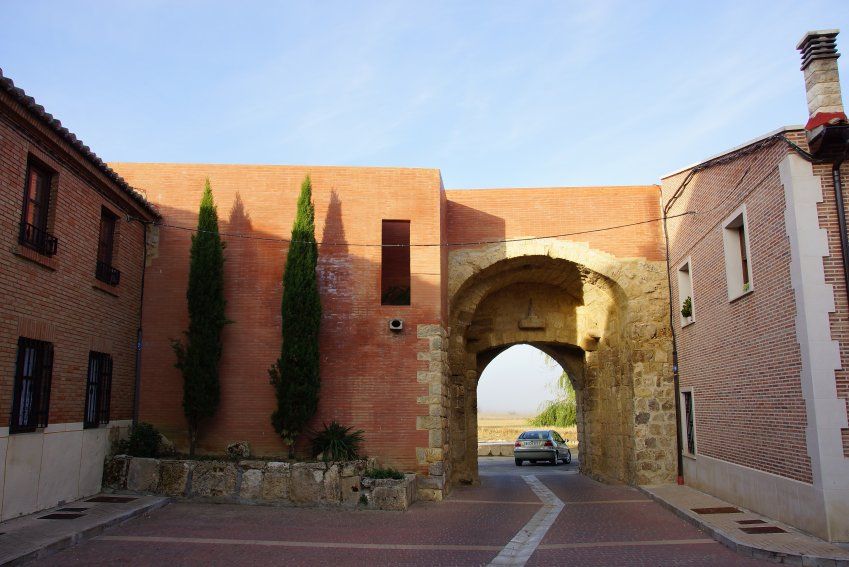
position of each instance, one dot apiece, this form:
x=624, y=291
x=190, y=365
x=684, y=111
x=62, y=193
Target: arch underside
x=593, y=315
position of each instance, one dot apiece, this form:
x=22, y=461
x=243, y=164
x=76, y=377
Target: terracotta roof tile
x=18, y=94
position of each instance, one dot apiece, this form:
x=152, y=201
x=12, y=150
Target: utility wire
x=425, y=245
x=731, y=156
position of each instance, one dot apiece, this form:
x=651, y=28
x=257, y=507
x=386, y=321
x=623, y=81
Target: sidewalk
x=766, y=538
x=38, y=535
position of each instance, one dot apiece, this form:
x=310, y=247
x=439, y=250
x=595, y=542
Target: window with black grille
x=31, y=395
x=105, y=271
x=97, y=390
x=35, y=212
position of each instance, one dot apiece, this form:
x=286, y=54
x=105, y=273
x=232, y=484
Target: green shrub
x=558, y=413
x=387, y=472
x=561, y=412
x=143, y=442
x=198, y=357
x=396, y=295
x=295, y=375
x=337, y=443
x=687, y=307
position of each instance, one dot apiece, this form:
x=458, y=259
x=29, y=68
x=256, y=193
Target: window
x=738, y=269
x=685, y=294
x=395, y=263
x=31, y=394
x=534, y=435
x=35, y=211
x=689, y=421
x=97, y=389
x=105, y=246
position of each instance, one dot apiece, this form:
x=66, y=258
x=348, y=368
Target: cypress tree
x=296, y=374
x=198, y=358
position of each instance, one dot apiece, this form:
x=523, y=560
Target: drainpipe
x=675, y=376
x=841, y=215
x=137, y=380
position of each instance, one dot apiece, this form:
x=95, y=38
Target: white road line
x=517, y=552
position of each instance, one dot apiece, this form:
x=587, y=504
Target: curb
x=744, y=548
x=65, y=542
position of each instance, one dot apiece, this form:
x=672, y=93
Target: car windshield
x=534, y=435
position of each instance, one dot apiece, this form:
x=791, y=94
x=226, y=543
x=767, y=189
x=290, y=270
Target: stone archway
x=601, y=318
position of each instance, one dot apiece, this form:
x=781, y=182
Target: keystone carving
x=531, y=321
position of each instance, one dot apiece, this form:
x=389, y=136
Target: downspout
x=841, y=215
x=675, y=376
x=137, y=380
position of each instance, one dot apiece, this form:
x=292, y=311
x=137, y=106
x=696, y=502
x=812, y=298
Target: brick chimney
x=822, y=83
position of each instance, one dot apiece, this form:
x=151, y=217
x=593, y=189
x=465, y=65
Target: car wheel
x=568, y=458
x=518, y=462
x=533, y=461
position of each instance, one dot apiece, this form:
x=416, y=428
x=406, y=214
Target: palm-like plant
x=337, y=443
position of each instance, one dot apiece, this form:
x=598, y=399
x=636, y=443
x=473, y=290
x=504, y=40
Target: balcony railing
x=39, y=240
x=107, y=273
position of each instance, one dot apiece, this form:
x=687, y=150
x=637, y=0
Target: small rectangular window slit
x=395, y=263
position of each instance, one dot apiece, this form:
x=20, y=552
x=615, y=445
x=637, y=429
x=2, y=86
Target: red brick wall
x=491, y=214
x=741, y=358
x=59, y=299
x=368, y=373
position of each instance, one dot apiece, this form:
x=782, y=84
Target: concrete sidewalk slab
x=789, y=545
x=38, y=535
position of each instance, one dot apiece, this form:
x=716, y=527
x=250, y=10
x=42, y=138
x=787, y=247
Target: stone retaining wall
x=261, y=482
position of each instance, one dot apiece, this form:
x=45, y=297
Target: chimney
x=819, y=63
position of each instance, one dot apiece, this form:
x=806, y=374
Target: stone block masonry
x=434, y=485
x=262, y=482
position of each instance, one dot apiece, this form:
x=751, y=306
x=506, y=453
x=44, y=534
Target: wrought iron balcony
x=107, y=273
x=39, y=240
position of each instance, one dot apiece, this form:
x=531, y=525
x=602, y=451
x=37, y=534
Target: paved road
x=534, y=515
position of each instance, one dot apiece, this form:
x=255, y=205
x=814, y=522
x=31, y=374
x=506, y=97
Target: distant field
x=508, y=427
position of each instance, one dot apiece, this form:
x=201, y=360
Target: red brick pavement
x=594, y=528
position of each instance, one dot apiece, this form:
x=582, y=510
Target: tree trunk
x=193, y=439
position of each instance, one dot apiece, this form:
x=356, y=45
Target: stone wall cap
x=816, y=33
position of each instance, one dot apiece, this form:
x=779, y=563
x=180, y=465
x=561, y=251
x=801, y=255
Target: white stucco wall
x=61, y=463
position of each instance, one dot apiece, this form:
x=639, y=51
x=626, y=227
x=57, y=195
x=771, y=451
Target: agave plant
x=337, y=443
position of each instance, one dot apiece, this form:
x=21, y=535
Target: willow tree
x=199, y=356
x=296, y=374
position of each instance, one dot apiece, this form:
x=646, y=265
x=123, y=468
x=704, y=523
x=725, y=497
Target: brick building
x=70, y=279
x=755, y=244
x=422, y=287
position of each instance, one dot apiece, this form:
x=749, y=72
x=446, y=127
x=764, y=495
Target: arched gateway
x=602, y=319
x=483, y=271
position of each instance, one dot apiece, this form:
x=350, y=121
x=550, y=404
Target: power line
x=424, y=245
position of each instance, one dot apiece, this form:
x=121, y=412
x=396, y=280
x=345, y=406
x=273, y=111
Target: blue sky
x=493, y=93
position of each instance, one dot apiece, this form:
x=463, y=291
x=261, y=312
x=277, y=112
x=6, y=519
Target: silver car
x=541, y=445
